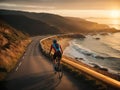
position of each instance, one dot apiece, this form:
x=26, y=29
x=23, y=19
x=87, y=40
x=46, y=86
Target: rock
x=76, y=57
x=88, y=54
x=81, y=58
x=104, y=69
x=96, y=66
x=99, y=57
x=104, y=34
x=97, y=38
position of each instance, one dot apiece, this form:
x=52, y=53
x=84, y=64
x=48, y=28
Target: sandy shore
x=65, y=42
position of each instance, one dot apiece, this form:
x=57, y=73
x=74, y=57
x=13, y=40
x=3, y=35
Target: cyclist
x=57, y=52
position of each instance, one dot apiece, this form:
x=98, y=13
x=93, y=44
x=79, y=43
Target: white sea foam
x=71, y=51
x=93, y=56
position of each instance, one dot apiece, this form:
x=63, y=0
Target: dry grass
x=8, y=57
x=12, y=46
x=62, y=39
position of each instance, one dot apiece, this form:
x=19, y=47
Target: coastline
x=65, y=43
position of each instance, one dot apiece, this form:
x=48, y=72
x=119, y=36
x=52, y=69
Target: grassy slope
x=31, y=26
x=12, y=46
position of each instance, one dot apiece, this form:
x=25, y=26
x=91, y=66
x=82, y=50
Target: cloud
x=59, y=1
x=61, y=4
x=24, y=6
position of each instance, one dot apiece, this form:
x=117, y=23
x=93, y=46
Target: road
x=35, y=72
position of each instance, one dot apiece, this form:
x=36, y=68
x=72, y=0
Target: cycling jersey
x=56, y=47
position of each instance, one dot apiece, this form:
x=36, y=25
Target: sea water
x=100, y=50
x=111, y=22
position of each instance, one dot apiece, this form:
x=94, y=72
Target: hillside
x=31, y=26
x=12, y=46
x=69, y=24
x=44, y=23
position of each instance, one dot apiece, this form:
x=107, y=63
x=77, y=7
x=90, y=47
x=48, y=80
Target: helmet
x=54, y=41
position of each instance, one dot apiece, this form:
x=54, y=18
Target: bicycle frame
x=59, y=71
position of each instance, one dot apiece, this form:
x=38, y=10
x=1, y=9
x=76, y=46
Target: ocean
x=97, y=50
x=113, y=22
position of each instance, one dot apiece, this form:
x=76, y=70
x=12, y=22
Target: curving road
x=35, y=72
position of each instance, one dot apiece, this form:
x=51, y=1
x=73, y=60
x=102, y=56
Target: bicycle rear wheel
x=60, y=72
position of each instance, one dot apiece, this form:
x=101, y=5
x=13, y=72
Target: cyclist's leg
x=54, y=60
x=59, y=58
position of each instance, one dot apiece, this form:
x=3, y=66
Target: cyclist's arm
x=61, y=49
x=50, y=49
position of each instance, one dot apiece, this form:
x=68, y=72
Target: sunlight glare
x=115, y=14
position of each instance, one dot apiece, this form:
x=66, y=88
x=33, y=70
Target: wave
x=101, y=60
x=75, y=52
x=99, y=67
x=88, y=52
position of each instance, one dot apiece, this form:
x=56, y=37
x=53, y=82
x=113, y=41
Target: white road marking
x=16, y=68
x=20, y=64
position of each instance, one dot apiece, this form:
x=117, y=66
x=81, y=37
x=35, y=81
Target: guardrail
x=98, y=76
x=105, y=79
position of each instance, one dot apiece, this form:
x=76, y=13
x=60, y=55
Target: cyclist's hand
x=50, y=55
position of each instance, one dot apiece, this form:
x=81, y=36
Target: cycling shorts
x=57, y=54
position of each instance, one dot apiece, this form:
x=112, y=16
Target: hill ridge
x=47, y=23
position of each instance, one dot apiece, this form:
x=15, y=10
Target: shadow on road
x=44, y=81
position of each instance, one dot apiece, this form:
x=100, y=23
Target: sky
x=63, y=7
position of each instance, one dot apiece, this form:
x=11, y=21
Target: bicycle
x=58, y=69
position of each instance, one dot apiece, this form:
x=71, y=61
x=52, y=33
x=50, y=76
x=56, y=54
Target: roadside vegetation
x=12, y=46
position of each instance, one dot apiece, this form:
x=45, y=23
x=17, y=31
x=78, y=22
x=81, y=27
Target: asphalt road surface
x=35, y=72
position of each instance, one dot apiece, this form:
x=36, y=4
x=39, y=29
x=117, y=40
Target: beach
x=78, y=58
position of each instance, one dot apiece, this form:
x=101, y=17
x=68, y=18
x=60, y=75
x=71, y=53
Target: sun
x=115, y=14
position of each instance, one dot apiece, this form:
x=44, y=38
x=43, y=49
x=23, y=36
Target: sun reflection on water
x=115, y=23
